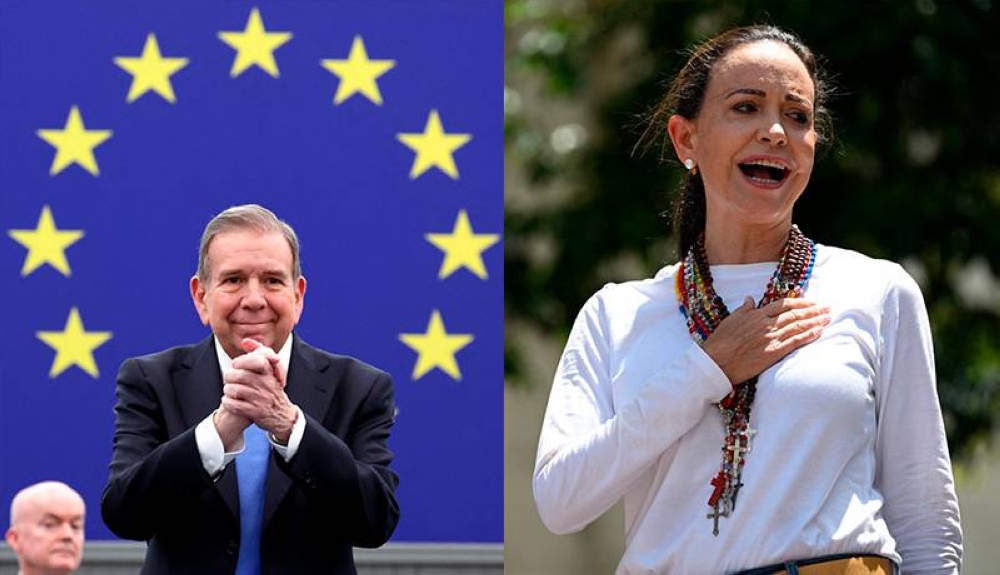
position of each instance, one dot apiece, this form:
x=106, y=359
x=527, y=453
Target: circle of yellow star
x=255, y=46
x=436, y=348
x=358, y=74
x=434, y=147
x=74, y=144
x=462, y=248
x=74, y=345
x=46, y=244
x=151, y=71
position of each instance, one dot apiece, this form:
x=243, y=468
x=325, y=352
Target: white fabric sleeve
x=914, y=471
x=589, y=454
x=287, y=452
x=213, y=457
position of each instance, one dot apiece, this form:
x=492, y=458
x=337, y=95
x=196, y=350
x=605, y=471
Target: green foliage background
x=913, y=177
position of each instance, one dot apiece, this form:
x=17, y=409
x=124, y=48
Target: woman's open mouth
x=764, y=173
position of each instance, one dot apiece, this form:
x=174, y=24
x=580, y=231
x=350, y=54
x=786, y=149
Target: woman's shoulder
x=633, y=293
x=858, y=268
x=658, y=285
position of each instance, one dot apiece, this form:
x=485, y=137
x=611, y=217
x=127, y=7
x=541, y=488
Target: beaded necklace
x=704, y=310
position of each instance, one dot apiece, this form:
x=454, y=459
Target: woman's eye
x=800, y=117
x=745, y=107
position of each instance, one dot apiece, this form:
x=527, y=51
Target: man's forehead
x=63, y=507
x=249, y=237
x=250, y=244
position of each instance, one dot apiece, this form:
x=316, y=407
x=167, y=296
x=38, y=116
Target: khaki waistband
x=865, y=565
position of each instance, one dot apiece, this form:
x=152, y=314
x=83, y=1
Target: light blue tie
x=251, y=474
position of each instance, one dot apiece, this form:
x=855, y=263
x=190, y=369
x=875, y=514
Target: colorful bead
x=703, y=310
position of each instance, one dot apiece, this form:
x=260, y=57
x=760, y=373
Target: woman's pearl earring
x=689, y=164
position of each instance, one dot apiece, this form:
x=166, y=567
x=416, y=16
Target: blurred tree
x=913, y=177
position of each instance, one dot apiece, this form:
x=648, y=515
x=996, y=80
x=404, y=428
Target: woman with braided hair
x=767, y=404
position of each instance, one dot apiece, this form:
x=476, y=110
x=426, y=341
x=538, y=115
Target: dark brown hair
x=685, y=98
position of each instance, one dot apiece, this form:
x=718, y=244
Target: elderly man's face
x=47, y=533
x=250, y=291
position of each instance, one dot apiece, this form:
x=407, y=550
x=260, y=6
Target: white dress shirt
x=214, y=458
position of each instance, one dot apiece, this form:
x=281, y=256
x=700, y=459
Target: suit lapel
x=312, y=392
x=199, y=383
x=199, y=388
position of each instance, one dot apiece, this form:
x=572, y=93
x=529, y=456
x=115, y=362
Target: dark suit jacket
x=335, y=494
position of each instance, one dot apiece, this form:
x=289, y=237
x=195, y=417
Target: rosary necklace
x=704, y=310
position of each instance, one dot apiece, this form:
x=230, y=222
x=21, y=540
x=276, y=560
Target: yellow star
x=46, y=244
x=462, y=247
x=74, y=346
x=358, y=74
x=151, y=71
x=74, y=144
x=436, y=348
x=254, y=45
x=434, y=147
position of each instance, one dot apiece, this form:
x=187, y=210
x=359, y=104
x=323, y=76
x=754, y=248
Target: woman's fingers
x=799, y=312
x=752, y=340
x=787, y=346
x=780, y=306
x=787, y=328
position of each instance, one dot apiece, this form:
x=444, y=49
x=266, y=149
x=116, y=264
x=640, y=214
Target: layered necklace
x=704, y=310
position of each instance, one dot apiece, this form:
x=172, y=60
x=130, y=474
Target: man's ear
x=198, y=298
x=12, y=537
x=300, y=296
x=684, y=136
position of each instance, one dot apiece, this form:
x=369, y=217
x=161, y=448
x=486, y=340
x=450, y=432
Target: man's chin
x=260, y=338
x=265, y=339
x=66, y=560
x=233, y=343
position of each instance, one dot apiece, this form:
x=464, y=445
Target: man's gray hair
x=248, y=217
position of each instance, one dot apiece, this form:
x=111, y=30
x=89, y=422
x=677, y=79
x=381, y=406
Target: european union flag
x=373, y=128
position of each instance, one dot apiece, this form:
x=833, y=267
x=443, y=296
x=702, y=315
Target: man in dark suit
x=305, y=430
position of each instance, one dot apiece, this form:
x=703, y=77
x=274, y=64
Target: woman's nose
x=773, y=134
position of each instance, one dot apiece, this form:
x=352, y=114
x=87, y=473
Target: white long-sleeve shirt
x=850, y=454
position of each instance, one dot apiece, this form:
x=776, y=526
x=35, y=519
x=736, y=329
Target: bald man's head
x=46, y=528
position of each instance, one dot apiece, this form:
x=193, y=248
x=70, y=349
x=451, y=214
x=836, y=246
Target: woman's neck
x=726, y=243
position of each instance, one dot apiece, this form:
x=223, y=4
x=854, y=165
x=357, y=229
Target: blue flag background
x=341, y=174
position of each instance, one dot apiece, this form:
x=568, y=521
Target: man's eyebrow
x=239, y=272
x=58, y=517
x=761, y=93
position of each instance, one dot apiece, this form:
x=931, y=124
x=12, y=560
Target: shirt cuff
x=213, y=456
x=287, y=452
x=718, y=384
